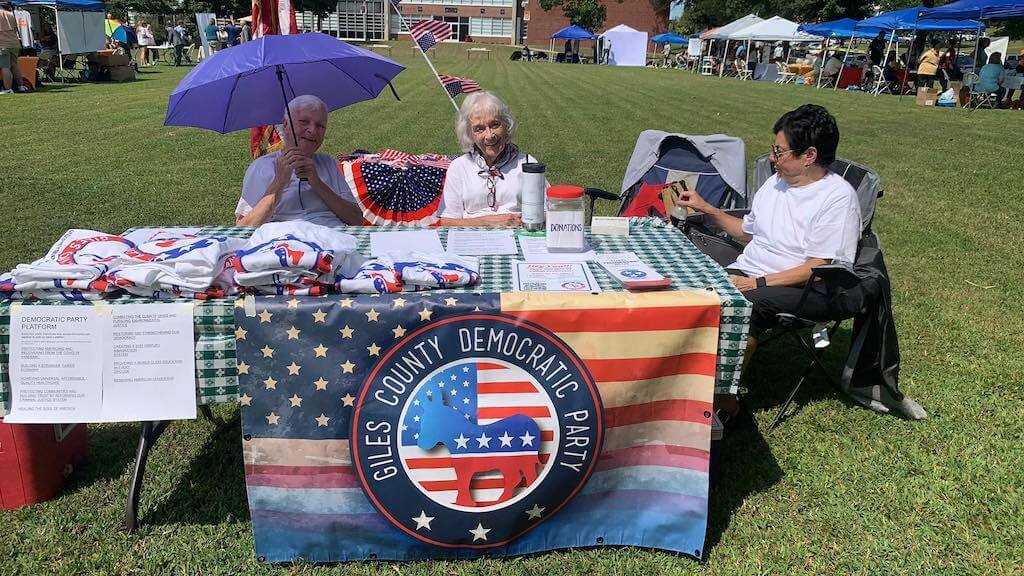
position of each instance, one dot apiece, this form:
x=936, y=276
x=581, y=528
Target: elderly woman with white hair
x=482, y=187
x=273, y=189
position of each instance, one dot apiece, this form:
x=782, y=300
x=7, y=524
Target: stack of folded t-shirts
x=169, y=264
x=74, y=269
x=411, y=271
x=295, y=258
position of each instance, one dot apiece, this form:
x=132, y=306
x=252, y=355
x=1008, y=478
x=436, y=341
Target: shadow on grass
x=111, y=452
x=212, y=489
x=777, y=366
x=746, y=464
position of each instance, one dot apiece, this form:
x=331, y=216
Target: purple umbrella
x=248, y=85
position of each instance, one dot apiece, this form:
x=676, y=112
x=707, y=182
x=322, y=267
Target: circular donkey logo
x=474, y=429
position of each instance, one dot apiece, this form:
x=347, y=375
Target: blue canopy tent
x=909, y=19
x=847, y=28
x=977, y=9
x=842, y=28
x=79, y=5
x=574, y=34
x=669, y=37
x=79, y=25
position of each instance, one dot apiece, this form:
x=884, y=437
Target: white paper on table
x=405, y=241
x=626, y=267
x=56, y=364
x=481, y=242
x=535, y=249
x=553, y=277
x=150, y=364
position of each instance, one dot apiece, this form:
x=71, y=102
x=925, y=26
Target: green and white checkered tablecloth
x=660, y=245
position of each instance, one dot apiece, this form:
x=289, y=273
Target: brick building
x=509, y=21
x=638, y=14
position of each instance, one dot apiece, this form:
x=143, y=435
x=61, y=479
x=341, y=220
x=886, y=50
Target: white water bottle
x=534, y=185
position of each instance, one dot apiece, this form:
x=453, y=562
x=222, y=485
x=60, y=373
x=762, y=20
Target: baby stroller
x=713, y=165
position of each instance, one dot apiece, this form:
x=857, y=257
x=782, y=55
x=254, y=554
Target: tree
x=589, y=14
x=319, y=8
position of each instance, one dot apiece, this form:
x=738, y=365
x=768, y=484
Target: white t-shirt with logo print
x=792, y=224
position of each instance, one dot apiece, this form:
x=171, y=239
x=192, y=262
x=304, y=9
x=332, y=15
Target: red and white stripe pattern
x=426, y=33
x=502, y=391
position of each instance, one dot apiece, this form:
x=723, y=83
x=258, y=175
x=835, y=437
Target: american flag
x=455, y=85
x=301, y=364
x=426, y=33
x=482, y=394
x=396, y=158
x=389, y=194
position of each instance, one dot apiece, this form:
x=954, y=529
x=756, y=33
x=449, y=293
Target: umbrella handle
x=288, y=112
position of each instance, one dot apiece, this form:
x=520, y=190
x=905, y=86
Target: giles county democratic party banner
x=445, y=425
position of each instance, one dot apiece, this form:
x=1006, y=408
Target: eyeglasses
x=492, y=190
x=777, y=152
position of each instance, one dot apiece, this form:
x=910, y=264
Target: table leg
x=151, y=431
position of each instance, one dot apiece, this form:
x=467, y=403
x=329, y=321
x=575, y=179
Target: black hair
x=811, y=126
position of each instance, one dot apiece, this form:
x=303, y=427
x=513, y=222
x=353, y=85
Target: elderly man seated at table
x=483, y=185
x=297, y=183
x=832, y=67
x=803, y=216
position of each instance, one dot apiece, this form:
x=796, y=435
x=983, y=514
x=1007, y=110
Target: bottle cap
x=534, y=168
x=565, y=192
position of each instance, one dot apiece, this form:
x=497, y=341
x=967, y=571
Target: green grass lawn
x=837, y=489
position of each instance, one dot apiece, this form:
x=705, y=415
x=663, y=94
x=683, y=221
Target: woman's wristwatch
x=761, y=282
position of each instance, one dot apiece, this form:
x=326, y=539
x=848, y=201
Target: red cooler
x=35, y=459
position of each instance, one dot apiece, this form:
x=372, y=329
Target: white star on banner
x=506, y=440
x=479, y=533
x=484, y=440
x=535, y=512
x=461, y=441
x=423, y=521
x=527, y=439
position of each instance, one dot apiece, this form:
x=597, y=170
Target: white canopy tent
x=774, y=29
x=628, y=47
x=723, y=32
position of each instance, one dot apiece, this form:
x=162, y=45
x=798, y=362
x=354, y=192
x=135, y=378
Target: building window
x=492, y=27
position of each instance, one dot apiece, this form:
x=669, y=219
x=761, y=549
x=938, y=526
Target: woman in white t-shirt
x=803, y=216
x=145, y=35
x=482, y=187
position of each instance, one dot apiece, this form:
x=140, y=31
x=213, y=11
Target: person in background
x=979, y=55
x=830, y=71
x=48, y=50
x=948, y=71
x=803, y=216
x=272, y=190
x=246, y=34
x=10, y=46
x=666, y=54
x=991, y=77
x=210, y=32
x=741, y=51
x=928, y=66
x=233, y=32
x=876, y=49
x=178, y=39
x=482, y=187
x=778, y=53
x=145, y=35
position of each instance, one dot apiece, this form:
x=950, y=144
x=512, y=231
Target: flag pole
x=408, y=29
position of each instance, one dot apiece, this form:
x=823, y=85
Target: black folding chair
x=837, y=279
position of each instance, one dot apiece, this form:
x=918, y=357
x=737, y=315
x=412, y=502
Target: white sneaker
x=22, y=89
x=6, y=91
